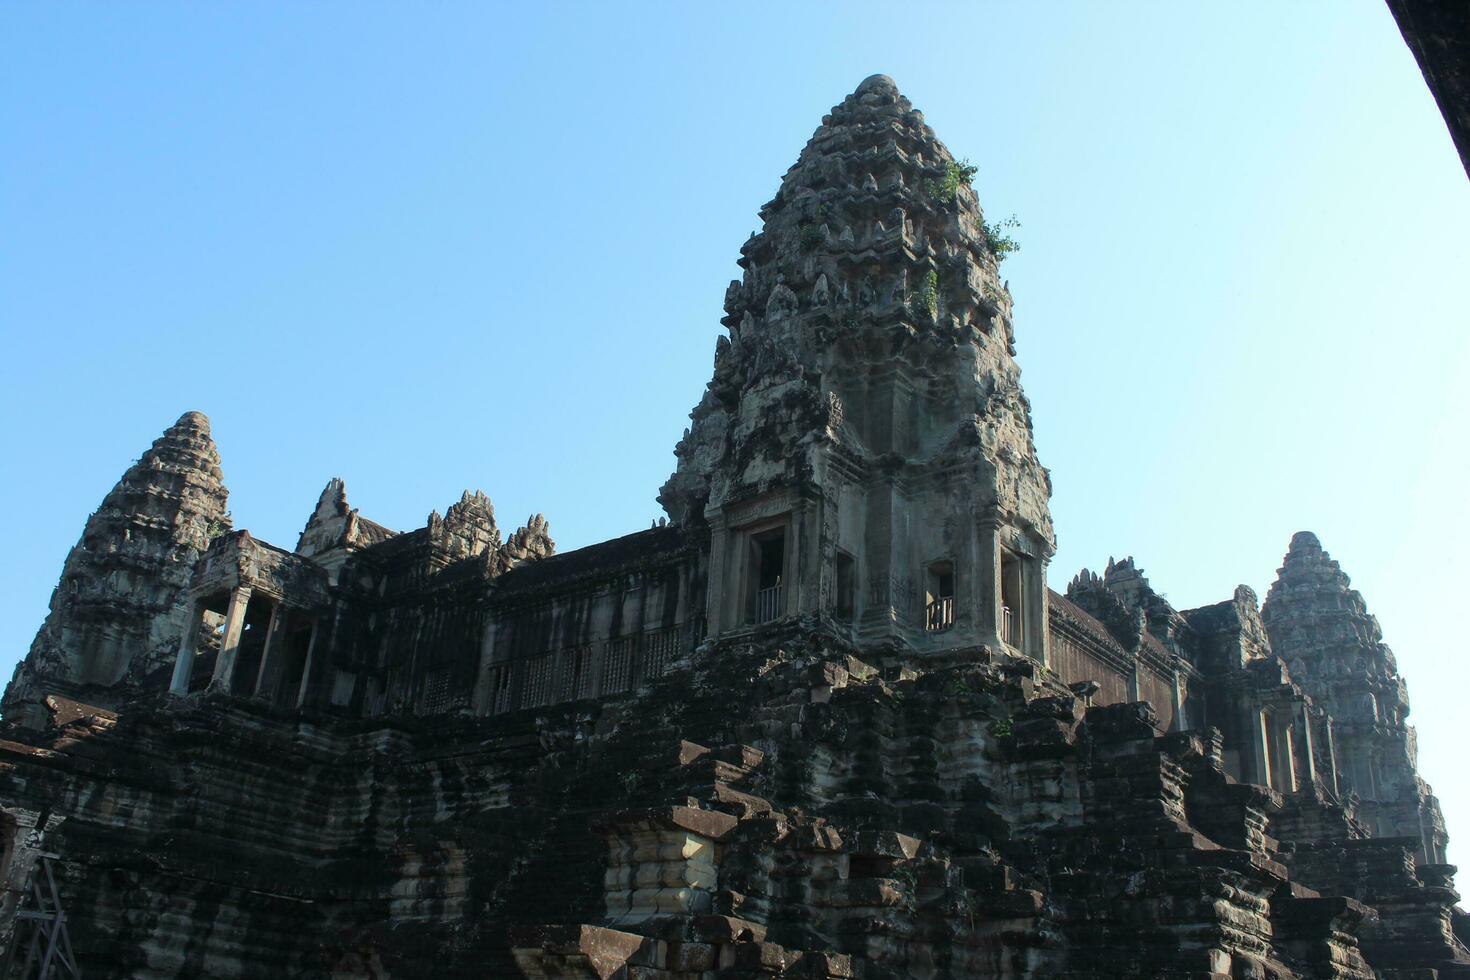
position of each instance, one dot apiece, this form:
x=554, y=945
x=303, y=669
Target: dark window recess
x=1012, y=618
x=939, y=597
x=768, y=566
x=845, y=601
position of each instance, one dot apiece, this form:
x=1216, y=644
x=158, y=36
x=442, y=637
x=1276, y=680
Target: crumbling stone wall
x=773, y=806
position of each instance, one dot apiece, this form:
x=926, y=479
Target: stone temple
x=825, y=721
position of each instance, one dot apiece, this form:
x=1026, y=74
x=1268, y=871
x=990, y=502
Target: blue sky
x=435, y=247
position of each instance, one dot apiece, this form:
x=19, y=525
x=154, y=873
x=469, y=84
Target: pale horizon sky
x=473, y=246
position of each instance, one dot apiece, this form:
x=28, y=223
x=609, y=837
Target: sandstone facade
x=118, y=613
x=825, y=721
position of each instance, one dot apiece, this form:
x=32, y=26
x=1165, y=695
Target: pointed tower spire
x=117, y=614
x=868, y=388
x=328, y=523
x=1320, y=625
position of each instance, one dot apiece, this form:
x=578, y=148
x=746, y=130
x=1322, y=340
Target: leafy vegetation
x=998, y=237
x=957, y=174
x=218, y=528
x=929, y=295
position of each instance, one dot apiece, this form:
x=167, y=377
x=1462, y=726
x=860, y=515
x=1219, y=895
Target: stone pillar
x=484, y=693
x=1309, y=750
x=1332, y=757
x=716, y=600
x=1043, y=614
x=987, y=531
x=229, y=647
x=1033, y=608
x=1283, y=762
x=1257, y=747
x=1426, y=842
x=269, y=674
x=1135, y=687
x=792, y=576
x=312, y=654
x=1177, y=693
x=881, y=568
x=184, y=665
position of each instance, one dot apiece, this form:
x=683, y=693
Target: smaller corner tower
x=120, y=609
x=1320, y=626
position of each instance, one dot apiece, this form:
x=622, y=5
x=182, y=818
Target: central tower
x=864, y=451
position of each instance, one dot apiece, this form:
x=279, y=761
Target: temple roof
x=603, y=558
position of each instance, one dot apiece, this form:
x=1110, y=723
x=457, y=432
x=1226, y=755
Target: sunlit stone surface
x=826, y=720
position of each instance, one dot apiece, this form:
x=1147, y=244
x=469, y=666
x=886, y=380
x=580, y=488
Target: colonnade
x=268, y=677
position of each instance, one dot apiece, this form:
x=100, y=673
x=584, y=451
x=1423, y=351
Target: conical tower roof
x=1320, y=625
x=118, y=612
x=873, y=256
x=1315, y=616
x=873, y=179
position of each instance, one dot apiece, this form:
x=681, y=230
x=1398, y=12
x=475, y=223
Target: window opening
x=768, y=561
x=939, y=597
x=845, y=604
x=1012, y=629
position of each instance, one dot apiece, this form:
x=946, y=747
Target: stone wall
x=780, y=807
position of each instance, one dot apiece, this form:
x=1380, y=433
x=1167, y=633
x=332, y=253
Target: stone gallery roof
x=372, y=532
x=639, y=549
x=1082, y=619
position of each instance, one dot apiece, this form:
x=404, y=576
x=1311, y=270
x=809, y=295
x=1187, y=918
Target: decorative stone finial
x=877, y=83
x=193, y=420
x=530, y=542
x=1304, y=540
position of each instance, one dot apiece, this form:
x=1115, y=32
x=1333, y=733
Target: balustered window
x=1012, y=601
x=939, y=596
x=766, y=575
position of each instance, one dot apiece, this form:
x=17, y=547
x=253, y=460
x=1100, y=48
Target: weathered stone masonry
x=825, y=721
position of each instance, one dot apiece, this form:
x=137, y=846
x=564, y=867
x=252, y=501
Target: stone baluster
x=229, y=648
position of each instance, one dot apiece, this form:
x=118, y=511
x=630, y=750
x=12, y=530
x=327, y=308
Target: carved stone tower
x=1334, y=649
x=864, y=450
x=120, y=609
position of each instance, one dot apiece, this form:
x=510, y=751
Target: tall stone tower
x=119, y=610
x=1334, y=648
x=864, y=450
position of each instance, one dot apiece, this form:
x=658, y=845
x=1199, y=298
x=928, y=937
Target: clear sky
x=432, y=247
